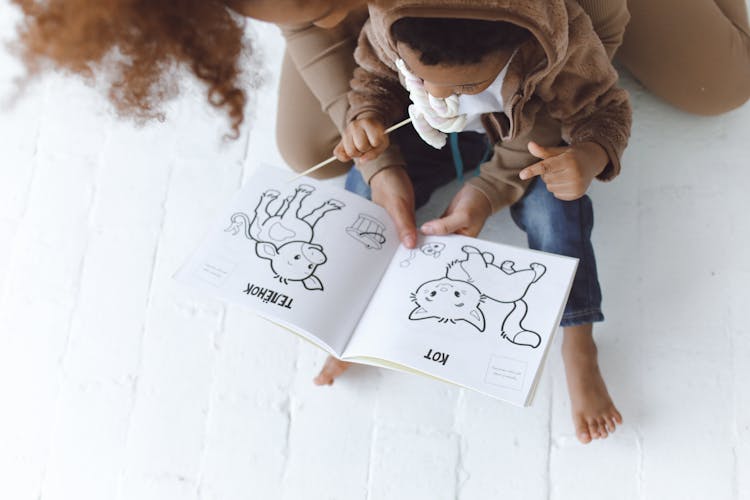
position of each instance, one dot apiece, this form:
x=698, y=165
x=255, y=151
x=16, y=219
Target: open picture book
x=327, y=265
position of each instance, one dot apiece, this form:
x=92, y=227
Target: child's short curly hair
x=456, y=41
x=136, y=46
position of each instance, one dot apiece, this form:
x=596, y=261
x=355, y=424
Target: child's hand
x=567, y=171
x=465, y=215
x=364, y=138
x=392, y=190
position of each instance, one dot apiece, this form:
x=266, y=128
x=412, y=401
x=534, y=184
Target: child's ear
x=266, y=250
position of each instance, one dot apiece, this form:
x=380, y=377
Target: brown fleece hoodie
x=563, y=71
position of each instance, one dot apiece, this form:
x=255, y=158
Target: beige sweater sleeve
x=609, y=17
x=325, y=62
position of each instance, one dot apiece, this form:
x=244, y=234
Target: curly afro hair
x=136, y=45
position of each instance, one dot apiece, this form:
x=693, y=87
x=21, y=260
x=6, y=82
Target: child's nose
x=440, y=92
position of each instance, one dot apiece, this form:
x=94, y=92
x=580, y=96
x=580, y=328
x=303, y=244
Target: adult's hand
x=392, y=189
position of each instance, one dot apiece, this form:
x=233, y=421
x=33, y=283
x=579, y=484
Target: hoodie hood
x=546, y=20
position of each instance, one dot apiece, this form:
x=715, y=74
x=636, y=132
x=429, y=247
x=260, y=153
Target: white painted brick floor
x=115, y=383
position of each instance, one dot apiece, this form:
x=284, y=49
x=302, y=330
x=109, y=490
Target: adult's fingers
x=402, y=214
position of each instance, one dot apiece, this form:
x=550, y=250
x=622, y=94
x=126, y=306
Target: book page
x=300, y=253
x=477, y=313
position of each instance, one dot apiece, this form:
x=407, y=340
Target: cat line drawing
x=470, y=282
x=284, y=236
x=429, y=249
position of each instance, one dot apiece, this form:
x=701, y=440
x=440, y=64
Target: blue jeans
x=564, y=227
x=551, y=225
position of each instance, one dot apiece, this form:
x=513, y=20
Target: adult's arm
x=324, y=59
x=610, y=18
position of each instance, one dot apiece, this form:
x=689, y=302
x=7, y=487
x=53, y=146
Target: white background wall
x=115, y=383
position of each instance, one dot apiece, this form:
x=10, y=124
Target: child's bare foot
x=594, y=414
x=331, y=369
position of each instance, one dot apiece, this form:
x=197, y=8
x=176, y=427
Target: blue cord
x=458, y=161
x=487, y=154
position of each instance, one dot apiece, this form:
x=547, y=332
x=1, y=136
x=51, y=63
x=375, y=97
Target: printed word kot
x=438, y=357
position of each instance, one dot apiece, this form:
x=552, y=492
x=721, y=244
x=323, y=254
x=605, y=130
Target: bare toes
x=610, y=423
x=603, y=431
x=582, y=431
x=615, y=420
x=594, y=429
x=617, y=417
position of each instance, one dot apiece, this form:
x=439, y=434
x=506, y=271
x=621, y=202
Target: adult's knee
x=715, y=94
x=699, y=61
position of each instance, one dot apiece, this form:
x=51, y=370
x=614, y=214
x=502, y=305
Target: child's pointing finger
x=543, y=167
x=539, y=168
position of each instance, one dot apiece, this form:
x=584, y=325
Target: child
x=530, y=75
